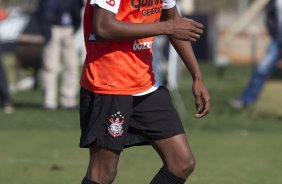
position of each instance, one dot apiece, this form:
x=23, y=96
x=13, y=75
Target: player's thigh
x=102, y=160
x=174, y=151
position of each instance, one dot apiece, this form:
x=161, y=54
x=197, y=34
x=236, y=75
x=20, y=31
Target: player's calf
x=166, y=177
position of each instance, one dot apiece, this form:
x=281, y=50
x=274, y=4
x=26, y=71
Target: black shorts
x=118, y=121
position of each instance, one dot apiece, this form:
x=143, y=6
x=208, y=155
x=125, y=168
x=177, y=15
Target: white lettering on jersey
x=169, y=4
x=141, y=45
x=110, y=5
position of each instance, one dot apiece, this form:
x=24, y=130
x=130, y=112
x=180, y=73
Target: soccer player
x=121, y=105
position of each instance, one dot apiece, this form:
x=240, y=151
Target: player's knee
x=105, y=177
x=188, y=166
x=110, y=176
x=184, y=166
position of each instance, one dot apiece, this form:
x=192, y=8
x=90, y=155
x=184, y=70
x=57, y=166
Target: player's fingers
x=198, y=31
x=196, y=36
x=191, y=39
x=202, y=113
x=206, y=108
x=198, y=25
x=198, y=103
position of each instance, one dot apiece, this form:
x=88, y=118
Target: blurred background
x=240, y=141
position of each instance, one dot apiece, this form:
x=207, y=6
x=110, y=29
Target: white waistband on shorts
x=150, y=90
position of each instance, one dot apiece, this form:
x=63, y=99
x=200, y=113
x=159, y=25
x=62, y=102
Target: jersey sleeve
x=110, y=5
x=168, y=4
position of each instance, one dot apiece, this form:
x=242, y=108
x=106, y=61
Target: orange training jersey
x=120, y=67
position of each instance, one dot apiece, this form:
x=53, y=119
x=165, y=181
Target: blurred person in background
x=268, y=62
x=59, y=21
x=5, y=98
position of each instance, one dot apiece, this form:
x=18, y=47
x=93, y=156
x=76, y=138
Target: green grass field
x=240, y=147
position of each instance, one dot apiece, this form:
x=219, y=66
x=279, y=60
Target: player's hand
x=186, y=29
x=202, y=98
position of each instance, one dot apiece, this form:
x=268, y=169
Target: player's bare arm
x=107, y=27
x=185, y=51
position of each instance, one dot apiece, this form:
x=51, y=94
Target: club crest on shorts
x=115, y=128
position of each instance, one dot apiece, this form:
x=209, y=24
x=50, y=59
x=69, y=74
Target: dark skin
x=174, y=151
x=186, y=53
x=106, y=27
x=180, y=31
